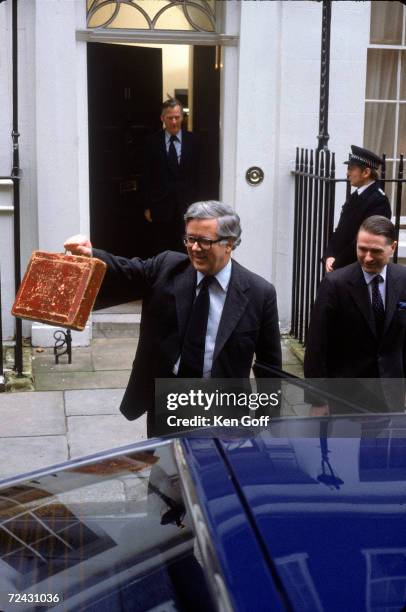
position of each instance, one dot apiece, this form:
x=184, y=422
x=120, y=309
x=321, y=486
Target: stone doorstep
x=112, y=325
x=117, y=321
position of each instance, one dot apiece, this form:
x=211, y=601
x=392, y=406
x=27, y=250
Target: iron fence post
x=323, y=135
x=18, y=355
x=295, y=246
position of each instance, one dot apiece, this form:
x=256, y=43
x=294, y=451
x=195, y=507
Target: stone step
x=110, y=325
x=128, y=308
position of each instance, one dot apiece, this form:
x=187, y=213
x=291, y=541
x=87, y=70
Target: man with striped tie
x=171, y=179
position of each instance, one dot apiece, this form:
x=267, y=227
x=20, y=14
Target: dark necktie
x=377, y=303
x=172, y=155
x=192, y=355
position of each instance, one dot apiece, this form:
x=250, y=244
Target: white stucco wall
x=57, y=122
x=6, y=212
x=53, y=125
x=270, y=106
x=6, y=257
x=299, y=105
x=250, y=134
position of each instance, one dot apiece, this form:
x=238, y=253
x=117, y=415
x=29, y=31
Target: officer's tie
x=377, y=304
x=192, y=355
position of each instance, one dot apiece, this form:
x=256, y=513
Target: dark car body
x=307, y=515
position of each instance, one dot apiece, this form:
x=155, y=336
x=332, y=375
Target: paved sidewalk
x=74, y=410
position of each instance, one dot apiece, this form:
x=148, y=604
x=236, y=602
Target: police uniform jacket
x=342, y=245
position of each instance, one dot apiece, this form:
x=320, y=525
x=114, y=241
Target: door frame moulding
x=177, y=37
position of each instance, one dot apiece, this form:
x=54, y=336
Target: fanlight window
x=186, y=15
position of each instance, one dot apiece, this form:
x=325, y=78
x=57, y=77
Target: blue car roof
x=326, y=502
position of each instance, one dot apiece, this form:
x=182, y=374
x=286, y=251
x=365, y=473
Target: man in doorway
x=171, y=178
x=203, y=314
x=368, y=199
x=358, y=322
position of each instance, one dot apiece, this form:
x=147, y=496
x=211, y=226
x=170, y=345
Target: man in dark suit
x=368, y=199
x=358, y=322
x=203, y=314
x=171, y=178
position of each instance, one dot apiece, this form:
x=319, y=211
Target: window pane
x=386, y=23
x=195, y=15
x=402, y=95
x=379, y=130
x=402, y=130
x=381, y=74
x=185, y=18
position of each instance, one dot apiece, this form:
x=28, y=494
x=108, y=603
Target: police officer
x=368, y=199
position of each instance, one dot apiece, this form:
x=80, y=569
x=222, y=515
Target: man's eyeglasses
x=203, y=243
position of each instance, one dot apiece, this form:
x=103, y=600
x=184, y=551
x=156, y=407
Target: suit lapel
x=234, y=306
x=392, y=295
x=184, y=149
x=185, y=290
x=162, y=150
x=359, y=291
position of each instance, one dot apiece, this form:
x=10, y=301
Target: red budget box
x=59, y=289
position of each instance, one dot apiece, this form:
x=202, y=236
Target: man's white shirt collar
x=168, y=136
x=361, y=189
x=222, y=277
x=369, y=277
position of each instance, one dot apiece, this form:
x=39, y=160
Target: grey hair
x=228, y=220
x=170, y=103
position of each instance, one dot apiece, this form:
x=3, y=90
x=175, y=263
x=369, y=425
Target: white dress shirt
x=177, y=143
x=382, y=285
x=217, y=295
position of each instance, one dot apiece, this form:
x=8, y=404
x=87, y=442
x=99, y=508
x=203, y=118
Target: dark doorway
x=206, y=117
x=124, y=102
x=124, y=98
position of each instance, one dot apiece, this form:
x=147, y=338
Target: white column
x=270, y=104
x=61, y=131
x=250, y=115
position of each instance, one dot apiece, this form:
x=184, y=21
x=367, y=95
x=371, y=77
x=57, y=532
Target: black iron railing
x=315, y=185
x=399, y=180
x=15, y=178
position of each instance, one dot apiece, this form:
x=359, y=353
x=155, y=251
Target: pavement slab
x=87, y=434
x=20, y=455
x=295, y=369
x=45, y=361
x=75, y=408
x=113, y=353
x=31, y=414
x=288, y=358
x=90, y=402
x=46, y=381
